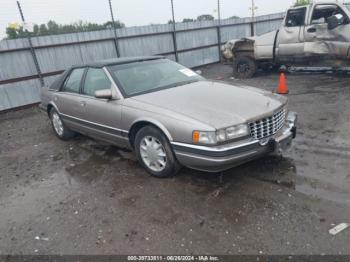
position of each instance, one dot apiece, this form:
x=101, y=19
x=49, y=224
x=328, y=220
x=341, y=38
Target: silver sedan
x=168, y=114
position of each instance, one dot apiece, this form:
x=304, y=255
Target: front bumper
x=220, y=158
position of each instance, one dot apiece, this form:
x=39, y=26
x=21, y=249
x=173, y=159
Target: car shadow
x=275, y=170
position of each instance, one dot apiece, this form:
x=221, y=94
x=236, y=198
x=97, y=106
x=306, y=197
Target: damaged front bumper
x=223, y=157
x=284, y=140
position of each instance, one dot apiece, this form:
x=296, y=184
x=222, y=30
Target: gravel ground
x=85, y=197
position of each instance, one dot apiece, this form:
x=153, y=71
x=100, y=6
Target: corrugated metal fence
x=197, y=44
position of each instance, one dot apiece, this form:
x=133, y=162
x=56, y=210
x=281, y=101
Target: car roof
x=119, y=61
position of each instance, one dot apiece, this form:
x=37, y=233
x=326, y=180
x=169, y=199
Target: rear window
x=323, y=12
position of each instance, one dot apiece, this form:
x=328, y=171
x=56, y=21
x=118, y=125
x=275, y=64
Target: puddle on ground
x=92, y=161
x=280, y=171
x=289, y=173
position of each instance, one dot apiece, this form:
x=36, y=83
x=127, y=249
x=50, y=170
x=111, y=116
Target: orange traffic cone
x=282, y=87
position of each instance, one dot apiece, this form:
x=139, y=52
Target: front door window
x=296, y=17
x=95, y=80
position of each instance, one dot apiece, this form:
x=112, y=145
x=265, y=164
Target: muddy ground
x=85, y=197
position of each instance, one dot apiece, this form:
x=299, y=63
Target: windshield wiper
x=165, y=87
x=184, y=83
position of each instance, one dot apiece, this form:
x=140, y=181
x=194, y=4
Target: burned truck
x=312, y=35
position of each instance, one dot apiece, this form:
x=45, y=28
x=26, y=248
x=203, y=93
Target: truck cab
x=312, y=35
x=320, y=30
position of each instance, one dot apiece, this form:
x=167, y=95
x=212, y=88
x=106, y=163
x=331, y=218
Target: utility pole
x=219, y=11
x=174, y=32
x=32, y=50
x=253, y=9
x=219, y=30
x=114, y=29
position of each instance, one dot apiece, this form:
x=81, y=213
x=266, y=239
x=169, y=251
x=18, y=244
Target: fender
x=155, y=123
x=52, y=103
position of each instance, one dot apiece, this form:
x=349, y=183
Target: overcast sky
x=131, y=12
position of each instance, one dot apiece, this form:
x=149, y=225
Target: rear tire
x=244, y=67
x=61, y=131
x=154, y=153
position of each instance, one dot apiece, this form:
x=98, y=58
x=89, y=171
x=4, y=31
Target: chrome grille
x=268, y=126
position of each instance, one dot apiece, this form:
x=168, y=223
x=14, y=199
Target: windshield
x=149, y=76
x=348, y=5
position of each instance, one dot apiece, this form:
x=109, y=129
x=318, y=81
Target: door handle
x=83, y=103
x=311, y=30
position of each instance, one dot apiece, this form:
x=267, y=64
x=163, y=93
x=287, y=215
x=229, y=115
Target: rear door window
x=73, y=81
x=321, y=14
x=95, y=80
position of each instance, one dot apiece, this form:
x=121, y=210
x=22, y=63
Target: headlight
x=222, y=135
x=200, y=137
x=237, y=131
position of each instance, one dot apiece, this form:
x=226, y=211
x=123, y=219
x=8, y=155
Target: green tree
x=302, y=2
x=66, y=29
x=43, y=29
x=205, y=18
x=36, y=29
x=52, y=28
x=109, y=24
x=21, y=33
x=11, y=33
x=186, y=20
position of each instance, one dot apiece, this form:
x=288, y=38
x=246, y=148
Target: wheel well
x=49, y=108
x=244, y=48
x=137, y=127
x=244, y=53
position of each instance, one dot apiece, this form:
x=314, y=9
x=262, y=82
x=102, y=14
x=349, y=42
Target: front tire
x=244, y=67
x=61, y=131
x=154, y=153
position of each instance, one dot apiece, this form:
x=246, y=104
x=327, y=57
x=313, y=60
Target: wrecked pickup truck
x=312, y=35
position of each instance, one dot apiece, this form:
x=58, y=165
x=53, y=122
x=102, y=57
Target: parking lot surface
x=85, y=197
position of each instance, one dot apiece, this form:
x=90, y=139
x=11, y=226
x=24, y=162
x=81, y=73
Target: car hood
x=214, y=103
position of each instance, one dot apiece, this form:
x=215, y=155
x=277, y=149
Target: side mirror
x=333, y=22
x=104, y=94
